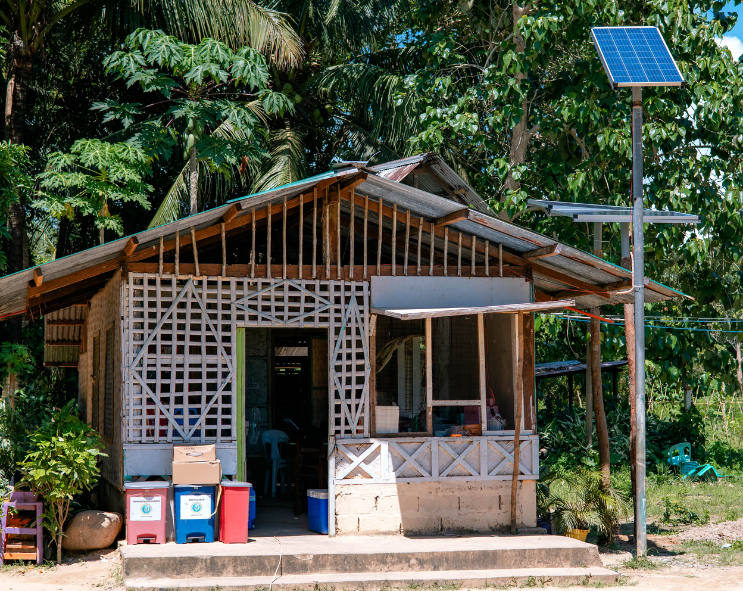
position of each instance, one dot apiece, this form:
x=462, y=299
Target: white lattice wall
x=178, y=355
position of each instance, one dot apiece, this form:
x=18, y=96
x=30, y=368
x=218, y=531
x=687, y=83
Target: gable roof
x=559, y=271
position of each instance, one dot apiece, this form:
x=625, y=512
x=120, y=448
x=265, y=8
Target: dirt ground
x=687, y=560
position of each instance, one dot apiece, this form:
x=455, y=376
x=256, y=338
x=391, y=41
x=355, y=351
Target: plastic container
x=234, y=512
x=251, y=518
x=146, y=512
x=194, y=513
x=317, y=510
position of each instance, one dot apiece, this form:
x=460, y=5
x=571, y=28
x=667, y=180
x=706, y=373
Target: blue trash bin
x=251, y=509
x=194, y=513
x=317, y=510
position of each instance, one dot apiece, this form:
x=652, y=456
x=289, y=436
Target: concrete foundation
x=432, y=507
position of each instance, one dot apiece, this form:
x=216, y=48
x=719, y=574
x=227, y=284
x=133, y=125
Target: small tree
x=63, y=463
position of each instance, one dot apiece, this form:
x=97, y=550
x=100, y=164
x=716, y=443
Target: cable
x=281, y=556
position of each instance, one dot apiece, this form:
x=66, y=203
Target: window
x=95, y=382
x=108, y=400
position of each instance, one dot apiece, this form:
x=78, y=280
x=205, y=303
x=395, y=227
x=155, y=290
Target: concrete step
x=374, y=555
x=461, y=578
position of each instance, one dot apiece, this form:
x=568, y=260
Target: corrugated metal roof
x=516, y=240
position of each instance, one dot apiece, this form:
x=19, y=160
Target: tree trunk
x=602, y=431
x=16, y=105
x=193, y=177
x=520, y=134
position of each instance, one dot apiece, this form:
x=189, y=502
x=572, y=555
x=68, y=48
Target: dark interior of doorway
x=287, y=391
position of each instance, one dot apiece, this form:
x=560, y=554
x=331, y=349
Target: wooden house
x=373, y=308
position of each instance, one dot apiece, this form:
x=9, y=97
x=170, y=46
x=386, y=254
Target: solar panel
x=636, y=56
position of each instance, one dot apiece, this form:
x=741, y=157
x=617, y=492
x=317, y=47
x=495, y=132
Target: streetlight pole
x=639, y=293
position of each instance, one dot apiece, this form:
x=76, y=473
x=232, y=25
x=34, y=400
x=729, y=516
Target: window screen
x=108, y=402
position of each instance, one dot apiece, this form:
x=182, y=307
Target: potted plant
x=582, y=502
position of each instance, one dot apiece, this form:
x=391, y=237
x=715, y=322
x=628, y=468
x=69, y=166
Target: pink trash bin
x=146, y=512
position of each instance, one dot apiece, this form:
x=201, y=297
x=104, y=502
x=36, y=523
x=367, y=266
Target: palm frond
x=235, y=22
x=287, y=162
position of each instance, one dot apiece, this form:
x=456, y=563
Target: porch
x=283, y=555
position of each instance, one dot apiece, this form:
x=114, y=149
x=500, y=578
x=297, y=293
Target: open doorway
x=286, y=413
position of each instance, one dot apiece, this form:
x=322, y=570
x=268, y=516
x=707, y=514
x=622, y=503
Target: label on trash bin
x=196, y=506
x=145, y=508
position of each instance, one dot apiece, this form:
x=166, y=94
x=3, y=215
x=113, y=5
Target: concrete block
x=357, y=500
x=347, y=524
x=379, y=523
x=420, y=524
x=438, y=503
x=390, y=504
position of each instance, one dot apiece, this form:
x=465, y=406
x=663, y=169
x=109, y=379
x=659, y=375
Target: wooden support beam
x=429, y=375
x=352, y=235
x=177, y=243
x=224, y=249
x=314, y=234
x=130, y=246
x=195, y=249
x=380, y=213
x=283, y=239
x=232, y=212
x=301, y=234
x=407, y=242
x=517, y=422
x=541, y=253
x=160, y=257
x=451, y=218
x=268, y=241
x=394, y=239
x=38, y=277
x=366, y=236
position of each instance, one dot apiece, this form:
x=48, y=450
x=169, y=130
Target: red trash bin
x=146, y=512
x=233, y=512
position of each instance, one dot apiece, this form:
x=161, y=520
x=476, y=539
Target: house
x=364, y=311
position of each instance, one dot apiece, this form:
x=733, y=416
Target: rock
x=92, y=530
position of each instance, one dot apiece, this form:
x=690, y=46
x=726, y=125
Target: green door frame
x=240, y=403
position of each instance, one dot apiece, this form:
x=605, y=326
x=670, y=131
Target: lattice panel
x=434, y=459
x=178, y=350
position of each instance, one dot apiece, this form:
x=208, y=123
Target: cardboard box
x=194, y=453
x=197, y=472
x=196, y=464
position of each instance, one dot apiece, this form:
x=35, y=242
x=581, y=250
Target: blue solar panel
x=636, y=56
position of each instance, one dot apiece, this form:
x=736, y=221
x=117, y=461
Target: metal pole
x=639, y=292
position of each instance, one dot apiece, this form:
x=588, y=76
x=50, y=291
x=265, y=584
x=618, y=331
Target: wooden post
x=433, y=247
x=252, y=246
x=500, y=260
x=420, y=239
x=487, y=258
x=326, y=234
x=394, y=239
x=483, y=374
x=224, y=250
x=530, y=388
x=602, y=431
x=301, y=235
x=331, y=486
x=517, y=421
x=446, y=250
x=373, y=374
x=351, y=234
x=407, y=242
x=459, y=256
x=268, y=243
x=366, y=232
x=314, y=234
x=429, y=377
x=195, y=251
x=283, y=238
x=336, y=243
x=379, y=240
x=160, y=259
x=177, y=252
x=474, y=251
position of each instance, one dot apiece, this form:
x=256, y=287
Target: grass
x=710, y=553
x=641, y=563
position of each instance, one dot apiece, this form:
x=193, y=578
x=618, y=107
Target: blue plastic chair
x=275, y=464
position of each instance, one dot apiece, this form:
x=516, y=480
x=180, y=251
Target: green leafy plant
x=582, y=502
x=676, y=513
x=207, y=100
x=62, y=464
x=93, y=175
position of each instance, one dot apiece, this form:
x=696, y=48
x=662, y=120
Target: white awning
x=501, y=309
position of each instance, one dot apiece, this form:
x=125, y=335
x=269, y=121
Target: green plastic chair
x=678, y=454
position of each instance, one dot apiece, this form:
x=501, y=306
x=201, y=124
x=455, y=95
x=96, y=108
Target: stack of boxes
x=196, y=476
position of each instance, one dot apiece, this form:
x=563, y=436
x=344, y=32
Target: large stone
x=92, y=530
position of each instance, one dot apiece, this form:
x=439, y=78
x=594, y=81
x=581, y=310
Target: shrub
x=62, y=464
